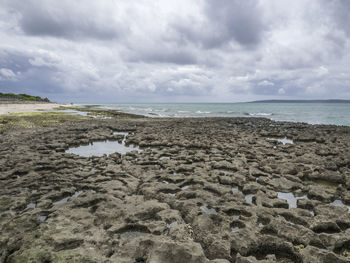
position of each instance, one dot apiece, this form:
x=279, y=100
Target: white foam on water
x=260, y=114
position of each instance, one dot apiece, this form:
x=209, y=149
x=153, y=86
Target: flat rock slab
x=201, y=190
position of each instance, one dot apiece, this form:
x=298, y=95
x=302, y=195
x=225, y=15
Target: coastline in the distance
x=301, y=101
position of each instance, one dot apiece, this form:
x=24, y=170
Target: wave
x=259, y=114
x=203, y=112
x=227, y=112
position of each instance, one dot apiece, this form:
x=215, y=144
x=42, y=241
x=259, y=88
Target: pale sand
x=30, y=107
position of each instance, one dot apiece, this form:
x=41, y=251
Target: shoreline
x=22, y=107
x=329, y=114
x=10, y=107
x=206, y=189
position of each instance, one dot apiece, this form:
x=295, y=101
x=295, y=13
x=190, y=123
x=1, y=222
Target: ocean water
x=312, y=113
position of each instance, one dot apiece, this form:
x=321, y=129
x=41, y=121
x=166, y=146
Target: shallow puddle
x=235, y=191
x=81, y=113
x=65, y=200
x=62, y=201
x=42, y=218
x=101, y=148
x=290, y=198
x=284, y=140
x=121, y=133
x=30, y=206
x=249, y=199
x=235, y=229
x=173, y=224
x=340, y=203
x=207, y=210
x=236, y=226
x=77, y=193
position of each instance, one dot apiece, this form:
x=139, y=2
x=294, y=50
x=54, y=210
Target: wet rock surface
x=201, y=190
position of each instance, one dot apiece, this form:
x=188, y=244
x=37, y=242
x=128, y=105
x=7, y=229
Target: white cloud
x=321, y=71
x=7, y=74
x=266, y=83
x=281, y=91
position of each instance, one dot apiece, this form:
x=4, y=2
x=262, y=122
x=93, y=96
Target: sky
x=116, y=51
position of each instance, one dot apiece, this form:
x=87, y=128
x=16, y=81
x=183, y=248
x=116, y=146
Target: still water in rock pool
x=284, y=140
x=340, y=203
x=290, y=198
x=104, y=147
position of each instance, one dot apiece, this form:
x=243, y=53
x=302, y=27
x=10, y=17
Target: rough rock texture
x=202, y=190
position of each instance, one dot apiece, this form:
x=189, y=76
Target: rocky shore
x=199, y=190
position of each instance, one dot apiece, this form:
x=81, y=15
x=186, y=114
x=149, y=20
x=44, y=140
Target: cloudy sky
x=175, y=50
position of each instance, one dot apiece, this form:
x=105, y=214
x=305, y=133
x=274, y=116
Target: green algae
x=35, y=119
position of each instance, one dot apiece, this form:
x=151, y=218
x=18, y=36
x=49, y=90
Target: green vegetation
x=35, y=120
x=50, y=119
x=101, y=113
x=22, y=97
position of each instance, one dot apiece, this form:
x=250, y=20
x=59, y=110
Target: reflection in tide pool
x=249, y=198
x=284, y=140
x=65, y=200
x=71, y=111
x=290, y=198
x=207, y=210
x=42, y=218
x=235, y=229
x=340, y=203
x=31, y=206
x=101, y=148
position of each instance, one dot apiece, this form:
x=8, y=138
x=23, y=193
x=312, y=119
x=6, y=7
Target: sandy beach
x=8, y=108
x=195, y=190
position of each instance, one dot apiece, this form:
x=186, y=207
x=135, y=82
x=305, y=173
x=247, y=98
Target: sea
x=312, y=113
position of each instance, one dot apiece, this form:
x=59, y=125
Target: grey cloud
x=16, y=61
x=238, y=20
x=214, y=49
x=45, y=18
x=36, y=82
x=340, y=11
x=225, y=21
x=163, y=55
x=28, y=79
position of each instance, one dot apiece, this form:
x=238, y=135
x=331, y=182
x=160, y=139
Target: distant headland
x=21, y=98
x=301, y=101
